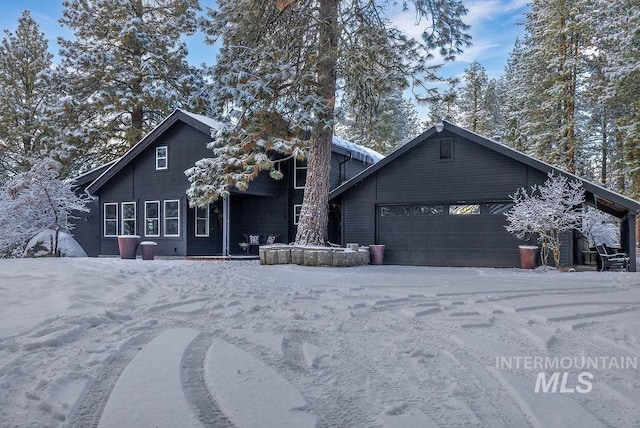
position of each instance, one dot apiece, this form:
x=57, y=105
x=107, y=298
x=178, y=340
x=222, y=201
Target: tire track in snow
x=195, y=387
x=89, y=408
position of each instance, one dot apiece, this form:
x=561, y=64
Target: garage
x=469, y=234
x=440, y=199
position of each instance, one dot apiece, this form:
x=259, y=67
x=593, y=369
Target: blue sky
x=494, y=27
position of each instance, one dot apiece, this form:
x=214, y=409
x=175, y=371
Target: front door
x=204, y=227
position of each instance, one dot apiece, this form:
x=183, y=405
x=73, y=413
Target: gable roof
x=88, y=176
x=204, y=124
x=201, y=123
x=602, y=198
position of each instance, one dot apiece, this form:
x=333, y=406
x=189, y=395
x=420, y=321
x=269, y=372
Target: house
x=440, y=200
x=143, y=193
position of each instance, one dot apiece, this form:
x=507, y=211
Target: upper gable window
x=162, y=157
x=446, y=149
x=300, y=176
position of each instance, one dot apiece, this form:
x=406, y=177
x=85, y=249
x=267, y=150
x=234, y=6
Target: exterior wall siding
x=140, y=181
x=475, y=175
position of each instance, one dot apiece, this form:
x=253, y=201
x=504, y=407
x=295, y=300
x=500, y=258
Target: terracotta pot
x=528, y=255
x=148, y=250
x=377, y=254
x=128, y=246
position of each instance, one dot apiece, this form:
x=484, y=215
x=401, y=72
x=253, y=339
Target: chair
x=271, y=239
x=616, y=260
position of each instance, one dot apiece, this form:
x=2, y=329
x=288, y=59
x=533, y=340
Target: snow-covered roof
x=211, y=123
x=356, y=151
x=205, y=124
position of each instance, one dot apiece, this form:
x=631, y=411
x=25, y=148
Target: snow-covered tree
x=546, y=212
x=618, y=39
x=27, y=128
x=472, y=99
x=394, y=124
x=551, y=65
x=515, y=99
x=278, y=71
x=126, y=69
x=34, y=200
x=444, y=105
x=600, y=228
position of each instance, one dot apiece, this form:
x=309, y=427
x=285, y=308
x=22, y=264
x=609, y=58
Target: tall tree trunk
x=312, y=226
x=137, y=123
x=605, y=149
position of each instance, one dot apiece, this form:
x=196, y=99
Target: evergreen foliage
x=28, y=109
x=278, y=72
x=394, y=123
x=125, y=71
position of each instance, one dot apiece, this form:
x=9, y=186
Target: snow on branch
x=35, y=200
x=546, y=212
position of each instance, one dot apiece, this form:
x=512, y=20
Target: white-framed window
x=202, y=222
x=172, y=218
x=110, y=219
x=128, y=218
x=300, y=174
x=152, y=218
x=162, y=157
x=297, y=209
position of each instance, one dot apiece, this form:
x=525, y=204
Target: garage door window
x=498, y=208
x=428, y=210
x=471, y=209
x=394, y=210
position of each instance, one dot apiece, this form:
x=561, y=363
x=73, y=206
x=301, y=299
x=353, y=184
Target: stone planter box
x=314, y=256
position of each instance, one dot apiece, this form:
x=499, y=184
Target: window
x=297, y=209
x=300, y=176
x=202, y=221
x=152, y=218
x=394, y=210
x=171, y=218
x=473, y=209
x=428, y=210
x=110, y=219
x=128, y=218
x=446, y=149
x=162, y=157
x=499, y=208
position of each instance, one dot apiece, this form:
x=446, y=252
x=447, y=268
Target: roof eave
x=145, y=142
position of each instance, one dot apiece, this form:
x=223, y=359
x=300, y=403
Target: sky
x=495, y=24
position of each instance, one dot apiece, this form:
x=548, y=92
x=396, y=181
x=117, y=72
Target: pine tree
x=126, y=69
x=473, y=97
x=552, y=64
x=620, y=39
x=444, y=105
x=515, y=99
x=395, y=122
x=277, y=74
x=28, y=96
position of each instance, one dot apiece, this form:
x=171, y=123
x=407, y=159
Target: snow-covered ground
x=117, y=343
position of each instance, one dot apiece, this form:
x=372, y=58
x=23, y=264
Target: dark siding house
x=143, y=193
x=440, y=200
